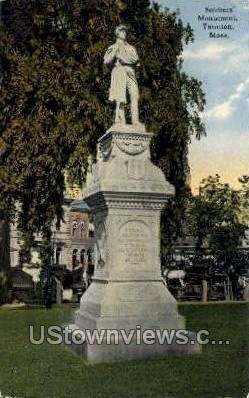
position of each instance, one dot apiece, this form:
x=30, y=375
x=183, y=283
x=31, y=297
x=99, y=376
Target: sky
x=222, y=64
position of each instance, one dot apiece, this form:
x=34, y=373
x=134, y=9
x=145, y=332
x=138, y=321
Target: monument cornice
x=127, y=200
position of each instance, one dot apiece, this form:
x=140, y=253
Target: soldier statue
x=123, y=79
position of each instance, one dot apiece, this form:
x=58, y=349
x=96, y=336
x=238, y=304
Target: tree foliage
x=244, y=180
x=215, y=220
x=54, y=98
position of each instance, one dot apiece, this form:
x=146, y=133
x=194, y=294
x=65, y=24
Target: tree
x=215, y=220
x=244, y=180
x=54, y=99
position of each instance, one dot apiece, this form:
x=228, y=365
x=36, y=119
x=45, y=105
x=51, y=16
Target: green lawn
x=55, y=372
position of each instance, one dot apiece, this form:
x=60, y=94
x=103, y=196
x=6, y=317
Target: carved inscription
x=134, y=239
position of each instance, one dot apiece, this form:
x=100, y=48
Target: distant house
x=73, y=242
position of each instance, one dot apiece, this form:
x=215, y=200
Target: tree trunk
x=5, y=285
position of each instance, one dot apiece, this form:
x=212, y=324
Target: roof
x=79, y=206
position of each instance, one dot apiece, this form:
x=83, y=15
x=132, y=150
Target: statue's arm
x=129, y=56
x=134, y=55
x=110, y=54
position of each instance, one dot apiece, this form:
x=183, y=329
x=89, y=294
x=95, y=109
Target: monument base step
x=119, y=349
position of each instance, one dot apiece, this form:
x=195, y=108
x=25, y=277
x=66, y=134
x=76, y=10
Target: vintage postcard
x=124, y=199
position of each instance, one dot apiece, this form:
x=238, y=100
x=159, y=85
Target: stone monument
x=126, y=193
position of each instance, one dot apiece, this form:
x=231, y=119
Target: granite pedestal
x=126, y=193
